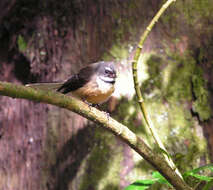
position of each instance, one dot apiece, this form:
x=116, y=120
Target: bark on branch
x=99, y=117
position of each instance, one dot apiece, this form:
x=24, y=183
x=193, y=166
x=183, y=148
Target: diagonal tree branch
x=99, y=117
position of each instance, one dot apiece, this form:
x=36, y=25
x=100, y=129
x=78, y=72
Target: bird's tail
x=53, y=86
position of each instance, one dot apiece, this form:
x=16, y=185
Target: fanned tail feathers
x=46, y=86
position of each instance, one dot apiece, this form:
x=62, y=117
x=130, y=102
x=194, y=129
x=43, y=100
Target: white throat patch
x=104, y=86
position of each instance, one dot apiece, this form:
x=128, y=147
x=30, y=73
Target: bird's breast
x=95, y=92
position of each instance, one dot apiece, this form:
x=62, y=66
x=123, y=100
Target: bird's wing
x=73, y=83
x=77, y=81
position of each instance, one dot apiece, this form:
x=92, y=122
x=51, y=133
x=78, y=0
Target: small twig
x=137, y=86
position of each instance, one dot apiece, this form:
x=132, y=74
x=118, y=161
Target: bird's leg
x=97, y=106
x=108, y=115
x=86, y=102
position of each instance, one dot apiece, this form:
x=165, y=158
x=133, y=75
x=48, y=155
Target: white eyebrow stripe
x=108, y=68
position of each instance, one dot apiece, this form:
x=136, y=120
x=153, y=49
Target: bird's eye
x=108, y=72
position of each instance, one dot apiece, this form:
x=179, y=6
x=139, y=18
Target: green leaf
x=196, y=170
x=22, y=44
x=145, y=184
x=208, y=166
x=208, y=186
x=140, y=184
x=202, y=177
x=160, y=178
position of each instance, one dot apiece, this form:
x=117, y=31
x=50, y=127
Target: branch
x=137, y=86
x=99, y=117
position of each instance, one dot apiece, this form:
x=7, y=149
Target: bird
x=94, y=83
